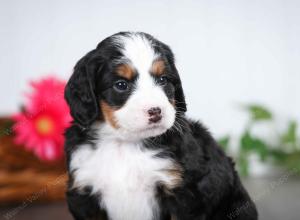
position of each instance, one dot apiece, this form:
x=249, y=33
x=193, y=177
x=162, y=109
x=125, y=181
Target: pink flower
x=41, y=126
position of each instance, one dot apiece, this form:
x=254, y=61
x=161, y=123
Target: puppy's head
x=130, y=84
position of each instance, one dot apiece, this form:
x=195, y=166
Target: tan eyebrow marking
x=158, y=67
x=126, y=71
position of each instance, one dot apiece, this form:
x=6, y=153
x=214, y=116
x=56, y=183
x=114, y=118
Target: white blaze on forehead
x=133, y=117
x=139, y=51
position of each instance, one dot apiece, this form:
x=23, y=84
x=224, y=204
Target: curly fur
x=185, y=173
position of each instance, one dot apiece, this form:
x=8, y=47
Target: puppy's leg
x=241, y=206
x=84, y=206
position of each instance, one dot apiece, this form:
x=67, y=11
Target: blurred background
x=239, y=64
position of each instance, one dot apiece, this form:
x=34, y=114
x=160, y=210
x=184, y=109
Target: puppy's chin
x=138, y=134
x=151, y=131
x=145, y=130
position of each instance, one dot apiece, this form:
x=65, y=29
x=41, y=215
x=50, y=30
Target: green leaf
x=243, y=165
x=293, y=160
x=249, y=143
x=290, y=136
x=6, y=127
x=224, y=142
x=259, y=113
x=278, y=156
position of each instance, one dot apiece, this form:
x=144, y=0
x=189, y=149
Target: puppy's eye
x=121, y=85
x=162, y=80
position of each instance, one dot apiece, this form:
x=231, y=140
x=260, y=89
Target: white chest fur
x=125, y=174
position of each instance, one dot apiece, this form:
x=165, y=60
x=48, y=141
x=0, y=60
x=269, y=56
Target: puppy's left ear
x=179, y=95
x=80, y=91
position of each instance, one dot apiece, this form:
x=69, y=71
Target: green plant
x=285, y=152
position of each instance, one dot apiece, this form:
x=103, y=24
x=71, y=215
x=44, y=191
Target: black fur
x=211, y=188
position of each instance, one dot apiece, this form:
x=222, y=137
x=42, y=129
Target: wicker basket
x=23, y=177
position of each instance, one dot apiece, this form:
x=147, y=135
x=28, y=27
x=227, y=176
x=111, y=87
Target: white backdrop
x=228, y=52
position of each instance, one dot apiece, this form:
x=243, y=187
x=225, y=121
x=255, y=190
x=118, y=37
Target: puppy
x=131, y=152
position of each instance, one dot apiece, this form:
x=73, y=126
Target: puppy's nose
x=155, y=114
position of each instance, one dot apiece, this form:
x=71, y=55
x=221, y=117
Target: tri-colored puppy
x=131, y=152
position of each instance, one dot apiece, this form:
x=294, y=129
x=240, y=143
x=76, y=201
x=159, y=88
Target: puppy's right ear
x=80, y=91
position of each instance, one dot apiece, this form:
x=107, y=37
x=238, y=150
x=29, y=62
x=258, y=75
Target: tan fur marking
x=108, y=113
x=177, y=174
x=126, y=71
x=173, y=102
x=158, y=67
